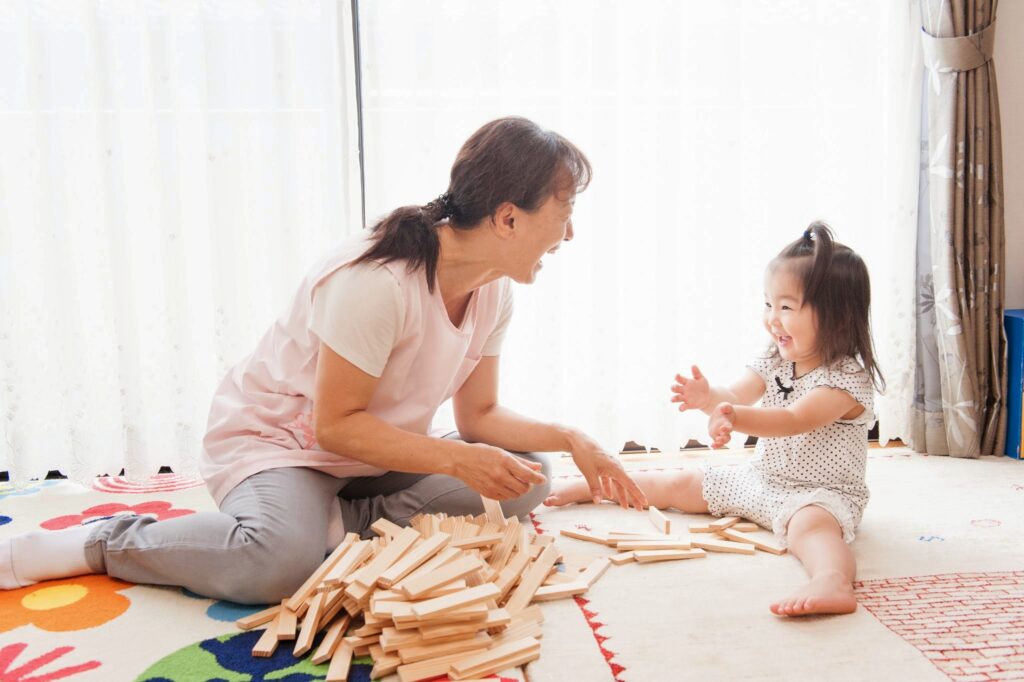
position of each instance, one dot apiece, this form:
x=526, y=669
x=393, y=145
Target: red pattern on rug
x=969, y=625
x=159, y=483
x=591, y=617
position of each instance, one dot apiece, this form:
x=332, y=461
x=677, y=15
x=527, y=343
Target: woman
x=325, y=427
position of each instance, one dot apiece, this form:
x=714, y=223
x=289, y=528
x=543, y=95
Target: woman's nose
x=568, y=231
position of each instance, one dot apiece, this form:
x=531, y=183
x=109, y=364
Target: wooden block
x=493, y=510
x=424, y=670
x=713, y=544
x=287, y=621
x=552, y=592
x=413, y=559
x=266, y=645
x=640, y=537
x=488, y=662
x=495, y=618
x=384, y=666
x=341, y=661
x=543, y=540
x=511, y=573
x=331, y=640
x=504, y=549
x=763, y=544
x=385, y=528
x=701, y=528
x=594, y=571
x=659, y=520
x=626, y=534
x=632, y=545
x=480, y=640
x=746, y=527
x=622, y=558
x=353, y=559
x=724, y=522
x=649, y=556
x=392, y=639
x=587, y=537
x=308, y=587
x=519, y=629
x=414, y=587
x=438, y=605
x=304, y=642
x=359, y=642
x=474, y=612
x=259, y=618
x=531, y=580
x=368, y=575
x=445, y=556
x=478, y=541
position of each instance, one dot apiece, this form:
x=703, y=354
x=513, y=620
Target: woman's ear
x=504, y=220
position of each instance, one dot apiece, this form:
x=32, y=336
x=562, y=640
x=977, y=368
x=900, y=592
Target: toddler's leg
x=816, y=538
x=680, y=489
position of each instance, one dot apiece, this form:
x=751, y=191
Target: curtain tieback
x=960, y=53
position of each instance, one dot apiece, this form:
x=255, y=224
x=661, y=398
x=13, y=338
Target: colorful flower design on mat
x=229, y=657
x=86, y=601
x=158, y=509
x=12, y=670
x=8, y=489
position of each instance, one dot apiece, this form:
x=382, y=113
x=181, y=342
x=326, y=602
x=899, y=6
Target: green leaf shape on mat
x=229, y=658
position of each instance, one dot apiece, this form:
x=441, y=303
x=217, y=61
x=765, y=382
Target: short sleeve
x=493, y=344
x=358, y=312
x=765, y=366
x=849, y=376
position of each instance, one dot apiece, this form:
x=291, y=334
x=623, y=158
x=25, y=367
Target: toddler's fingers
x=696, y=372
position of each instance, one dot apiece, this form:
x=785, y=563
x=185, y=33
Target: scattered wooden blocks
x=660, y=521
x=762, y=544
x=622, y=558
x=650, y=556
x=713, y=544
x=587, y=537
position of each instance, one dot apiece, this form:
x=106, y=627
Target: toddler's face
x=791, y=323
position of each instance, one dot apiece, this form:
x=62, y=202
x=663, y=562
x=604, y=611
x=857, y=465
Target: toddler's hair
x=836, y=285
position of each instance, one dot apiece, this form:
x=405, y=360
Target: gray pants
x=271, y=530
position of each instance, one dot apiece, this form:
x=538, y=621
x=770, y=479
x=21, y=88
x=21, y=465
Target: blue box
x=1014, y=323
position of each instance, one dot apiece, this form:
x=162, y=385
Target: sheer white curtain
x=169, y=170
x=717, y=131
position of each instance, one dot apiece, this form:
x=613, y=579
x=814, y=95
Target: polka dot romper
x=824, y=467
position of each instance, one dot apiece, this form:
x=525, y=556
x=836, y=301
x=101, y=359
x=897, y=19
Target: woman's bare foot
x=567, y=492
x=829, y=592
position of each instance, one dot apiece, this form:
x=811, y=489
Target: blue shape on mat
x=4, y=520
x=932, y=538
x=225, y=611
x=8, y=490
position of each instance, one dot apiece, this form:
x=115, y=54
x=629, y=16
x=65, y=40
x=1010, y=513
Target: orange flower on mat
x=62, y=605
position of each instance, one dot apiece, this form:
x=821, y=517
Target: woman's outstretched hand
x=720, y=424
x=605, y=475
x=691, y=394
x=496, y=473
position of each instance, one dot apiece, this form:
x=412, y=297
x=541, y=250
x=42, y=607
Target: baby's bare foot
x=825, y=593
x=567, y=492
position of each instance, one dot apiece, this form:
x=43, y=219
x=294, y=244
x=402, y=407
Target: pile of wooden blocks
x=728, y=534
x=447, y=595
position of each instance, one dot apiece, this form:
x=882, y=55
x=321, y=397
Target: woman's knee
x=265, y=573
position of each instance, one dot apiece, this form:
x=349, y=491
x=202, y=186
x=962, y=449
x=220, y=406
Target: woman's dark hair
x=511, y=159
x=836, y=285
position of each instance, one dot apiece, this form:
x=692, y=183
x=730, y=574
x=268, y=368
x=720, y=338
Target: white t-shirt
x=381, y=318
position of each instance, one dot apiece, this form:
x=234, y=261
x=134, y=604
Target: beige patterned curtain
x=959, y=406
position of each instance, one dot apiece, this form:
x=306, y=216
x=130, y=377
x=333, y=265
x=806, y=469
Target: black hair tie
x=442, y=207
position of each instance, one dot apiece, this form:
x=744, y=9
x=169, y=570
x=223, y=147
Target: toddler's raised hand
x=720, y=425
x=691, y=394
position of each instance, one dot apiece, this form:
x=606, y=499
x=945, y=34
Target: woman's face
x=541, y=232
